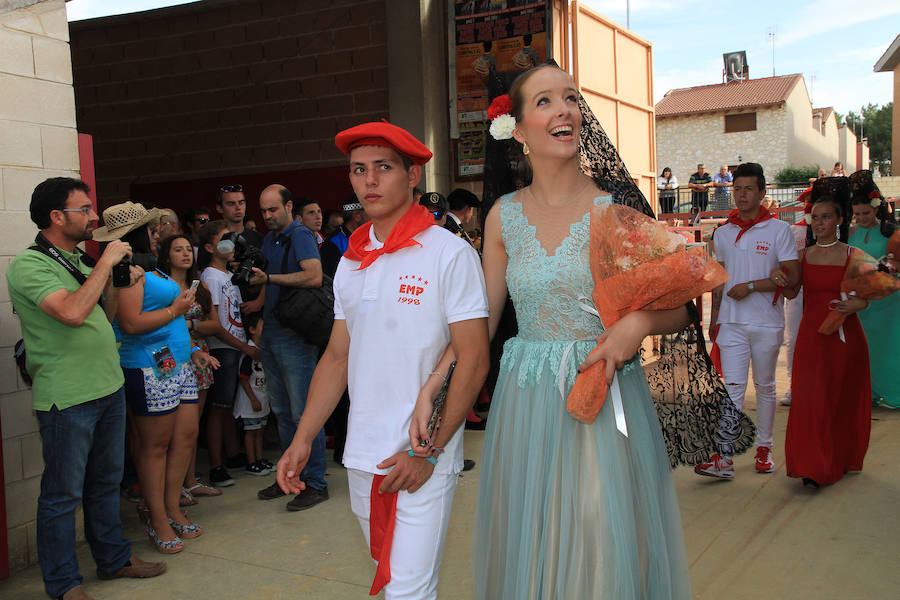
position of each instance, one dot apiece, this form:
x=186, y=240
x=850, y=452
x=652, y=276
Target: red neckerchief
x=382, y=516
x=735, y=218
x=416, y=220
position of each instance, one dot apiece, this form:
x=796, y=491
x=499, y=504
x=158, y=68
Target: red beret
x=382, y=133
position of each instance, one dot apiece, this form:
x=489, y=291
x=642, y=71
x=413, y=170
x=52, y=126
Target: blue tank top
x=137, y=350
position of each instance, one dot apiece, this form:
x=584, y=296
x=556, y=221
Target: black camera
x=121, y=273
x=246, y=257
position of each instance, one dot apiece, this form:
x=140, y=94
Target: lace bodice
x=544, y=288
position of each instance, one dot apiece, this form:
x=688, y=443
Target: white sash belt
x=614, y=389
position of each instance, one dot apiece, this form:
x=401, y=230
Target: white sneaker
x=718, y=466
x=786, y=399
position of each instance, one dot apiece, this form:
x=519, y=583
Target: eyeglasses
x=437, y=214
x=232, y=188
x=85, y=210
x=202, y=220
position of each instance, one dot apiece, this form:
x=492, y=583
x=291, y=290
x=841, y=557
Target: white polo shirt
x=754, y=256
x=398, y=312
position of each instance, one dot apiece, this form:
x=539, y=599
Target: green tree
x=873, y=123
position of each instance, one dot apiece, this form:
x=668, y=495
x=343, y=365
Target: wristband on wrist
x=430, y=459
x=171, y=314
x=439, y=374
x=195, y=349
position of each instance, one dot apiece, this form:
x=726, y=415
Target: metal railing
x=784, y=195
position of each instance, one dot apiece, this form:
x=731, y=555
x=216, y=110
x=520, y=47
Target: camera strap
x=44, y=246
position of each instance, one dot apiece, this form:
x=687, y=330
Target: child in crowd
x=252, y=404
x=227, y=345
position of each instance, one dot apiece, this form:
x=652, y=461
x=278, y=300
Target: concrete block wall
x=889, y=186
x=37, y=140
x=226, y=87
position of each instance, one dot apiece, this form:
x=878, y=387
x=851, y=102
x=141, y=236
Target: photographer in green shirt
x=65, y=304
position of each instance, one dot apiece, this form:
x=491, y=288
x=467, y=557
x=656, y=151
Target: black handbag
x=308, y=312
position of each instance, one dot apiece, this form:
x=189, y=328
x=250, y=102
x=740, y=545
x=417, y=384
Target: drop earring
x=525, y=149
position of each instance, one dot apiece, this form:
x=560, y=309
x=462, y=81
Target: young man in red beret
x=398, y=307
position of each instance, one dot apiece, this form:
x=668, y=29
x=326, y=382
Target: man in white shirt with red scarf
x=398, y=305
x=747, y=316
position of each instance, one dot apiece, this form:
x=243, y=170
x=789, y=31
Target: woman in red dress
x=829, y=420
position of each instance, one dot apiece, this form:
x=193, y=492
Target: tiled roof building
x=768, y=120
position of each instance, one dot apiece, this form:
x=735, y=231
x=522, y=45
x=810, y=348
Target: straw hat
x=121, y=219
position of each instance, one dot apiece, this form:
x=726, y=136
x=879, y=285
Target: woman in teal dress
x=881, y=321
x=567, y=509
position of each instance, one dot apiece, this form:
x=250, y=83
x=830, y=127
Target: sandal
x=201, y=490
x=186, y=499
x=188, y=532
x=164, y=546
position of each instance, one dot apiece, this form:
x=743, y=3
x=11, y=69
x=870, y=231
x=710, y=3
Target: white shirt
x=251, y=371
x=661, y=183
x=398, y=312
x=226, y=297
x=753, y=257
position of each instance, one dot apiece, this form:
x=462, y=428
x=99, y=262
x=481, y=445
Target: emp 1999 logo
x=411, y=288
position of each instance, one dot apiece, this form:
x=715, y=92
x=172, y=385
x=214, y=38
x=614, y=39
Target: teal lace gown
x=568, y=510
x=881, y=322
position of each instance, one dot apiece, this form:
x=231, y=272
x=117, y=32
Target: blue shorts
x=147, y=395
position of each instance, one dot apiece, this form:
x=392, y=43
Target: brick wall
x=37, y=140
x=217, y=89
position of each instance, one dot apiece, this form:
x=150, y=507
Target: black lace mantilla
x=695, y=412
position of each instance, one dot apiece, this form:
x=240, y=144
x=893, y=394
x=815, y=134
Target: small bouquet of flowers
x=636, y=264
x=862, y=279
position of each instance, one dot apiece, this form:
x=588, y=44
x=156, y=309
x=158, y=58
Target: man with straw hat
x=65, y=303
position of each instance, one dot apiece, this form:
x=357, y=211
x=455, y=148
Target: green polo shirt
x=69, y=365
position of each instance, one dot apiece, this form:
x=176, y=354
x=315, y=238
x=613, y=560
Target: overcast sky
x=833, y=43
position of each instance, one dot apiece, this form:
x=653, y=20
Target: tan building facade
x=37, y=140
x=769, y=121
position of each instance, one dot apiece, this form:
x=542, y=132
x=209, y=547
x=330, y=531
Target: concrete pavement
x=757, y=536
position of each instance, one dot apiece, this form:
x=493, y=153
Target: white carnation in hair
x=875, y=202
x=502, y=127
x=808, y=218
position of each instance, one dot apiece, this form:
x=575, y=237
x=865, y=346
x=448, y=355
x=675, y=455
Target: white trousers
x=419, y=532
x=793, y=313
x=742, y=345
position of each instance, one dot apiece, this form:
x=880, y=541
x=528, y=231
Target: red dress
x=831, y=395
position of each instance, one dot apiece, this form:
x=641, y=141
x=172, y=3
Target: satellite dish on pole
x=736, y=68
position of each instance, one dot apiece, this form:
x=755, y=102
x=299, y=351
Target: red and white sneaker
x=765, y=462
x=717, y=466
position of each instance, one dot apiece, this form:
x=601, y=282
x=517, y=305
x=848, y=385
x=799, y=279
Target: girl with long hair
x=828, y=425
x=161, y=392
x=874, y=225
x=567, y=509
x=176, y=259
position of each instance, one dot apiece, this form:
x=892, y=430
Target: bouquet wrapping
x=636, y=264
x=864, y=280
